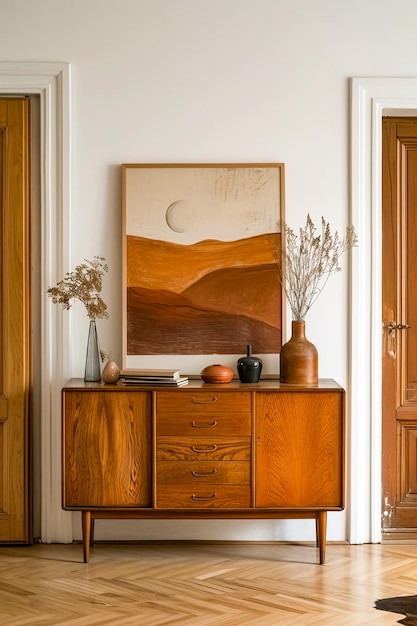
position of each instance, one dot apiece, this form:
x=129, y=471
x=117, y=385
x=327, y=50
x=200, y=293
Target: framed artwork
x=201, y=264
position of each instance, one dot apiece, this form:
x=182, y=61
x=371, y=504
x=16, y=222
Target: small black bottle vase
x=249, y=367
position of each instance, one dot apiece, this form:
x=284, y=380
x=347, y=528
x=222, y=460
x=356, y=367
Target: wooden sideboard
x=204, y=451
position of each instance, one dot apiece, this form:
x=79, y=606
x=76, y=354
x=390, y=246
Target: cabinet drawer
x=199, y=473
x=199, y=424
x=204, y=497
x=203, y=402
x=203, y=449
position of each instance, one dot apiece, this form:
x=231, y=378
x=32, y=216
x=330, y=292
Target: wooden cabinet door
x=106, y=449
x=299, y=450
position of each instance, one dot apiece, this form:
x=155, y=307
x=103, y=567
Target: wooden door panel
x=408, y=477
x=409, y=280
x=3, y=145
x=399, y=304
x=390, y=230
x=15, y=326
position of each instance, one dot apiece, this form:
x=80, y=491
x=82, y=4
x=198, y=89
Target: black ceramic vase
x=249, y=367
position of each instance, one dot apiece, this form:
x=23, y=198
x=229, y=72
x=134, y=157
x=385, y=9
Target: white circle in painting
x=180, y=216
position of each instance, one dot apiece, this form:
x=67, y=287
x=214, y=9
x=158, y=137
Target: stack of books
x=165, y=378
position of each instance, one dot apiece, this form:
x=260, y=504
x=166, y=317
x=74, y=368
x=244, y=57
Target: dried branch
x=83, y=284
x=309, y=261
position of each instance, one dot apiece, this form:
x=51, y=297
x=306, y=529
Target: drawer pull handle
x=198, y=475
x=212, y=448
x=198, y=499
x=204, y=400
x=211, y=425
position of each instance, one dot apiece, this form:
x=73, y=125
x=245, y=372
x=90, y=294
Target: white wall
x=212, y=81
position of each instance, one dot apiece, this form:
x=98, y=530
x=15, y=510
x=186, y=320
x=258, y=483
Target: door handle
x=392, y=337
x=394, y=326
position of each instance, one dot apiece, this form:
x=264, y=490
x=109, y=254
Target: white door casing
x=51, y=82
x=371, y=98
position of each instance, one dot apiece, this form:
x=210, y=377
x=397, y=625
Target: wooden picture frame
x=201, y=264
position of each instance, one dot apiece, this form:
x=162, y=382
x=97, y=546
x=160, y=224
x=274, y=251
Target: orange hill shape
x=157, y=264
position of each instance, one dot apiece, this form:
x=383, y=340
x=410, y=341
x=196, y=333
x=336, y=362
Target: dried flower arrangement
x=309, y=261
x=84, y=283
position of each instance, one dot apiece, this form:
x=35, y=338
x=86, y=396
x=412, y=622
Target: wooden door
x=15, y=518
x=399, y=310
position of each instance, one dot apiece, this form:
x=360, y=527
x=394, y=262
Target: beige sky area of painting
x=186, y=205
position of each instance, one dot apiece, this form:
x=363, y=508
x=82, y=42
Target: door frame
x=371, y=98
x=51, y=82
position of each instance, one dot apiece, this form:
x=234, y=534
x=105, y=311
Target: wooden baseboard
x=399, y=535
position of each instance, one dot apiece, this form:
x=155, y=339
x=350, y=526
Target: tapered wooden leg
x=321, y=527
x=92, y=533
x=86, y=526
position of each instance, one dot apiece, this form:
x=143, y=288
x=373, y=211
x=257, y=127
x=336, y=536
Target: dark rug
x=407, y=605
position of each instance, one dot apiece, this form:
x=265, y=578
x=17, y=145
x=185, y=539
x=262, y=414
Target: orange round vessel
x=217, y=374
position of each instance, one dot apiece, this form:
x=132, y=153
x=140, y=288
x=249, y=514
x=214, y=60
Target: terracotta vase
x=110, y=373
x=299, y=358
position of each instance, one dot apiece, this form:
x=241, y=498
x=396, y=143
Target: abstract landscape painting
x=202, y=250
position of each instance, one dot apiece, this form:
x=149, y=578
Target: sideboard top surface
x=266, y=384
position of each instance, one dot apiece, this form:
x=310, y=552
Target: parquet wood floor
x=203, y=585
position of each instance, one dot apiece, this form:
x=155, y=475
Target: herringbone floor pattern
x=203, y=585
